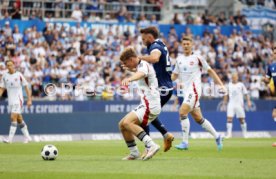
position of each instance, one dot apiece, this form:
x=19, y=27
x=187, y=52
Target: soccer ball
x=49, y=152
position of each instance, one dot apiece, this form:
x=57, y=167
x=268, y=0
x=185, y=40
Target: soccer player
x=271, y=74
x=158, y=55
x=236, y=91
x=13, y=81
x=131, y=125
x=189, y=69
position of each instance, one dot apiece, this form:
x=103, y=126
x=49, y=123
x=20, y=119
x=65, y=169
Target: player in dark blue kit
x=271, y=71
x=271, y=74
x=158, y=55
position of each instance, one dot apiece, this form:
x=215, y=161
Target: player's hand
x=126, y=82
x=29, y=103
x=249, y=104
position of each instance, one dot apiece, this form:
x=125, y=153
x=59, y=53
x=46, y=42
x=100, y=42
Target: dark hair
x=127, y=54
x=150, y=30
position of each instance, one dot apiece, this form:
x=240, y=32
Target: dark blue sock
x=159, y=126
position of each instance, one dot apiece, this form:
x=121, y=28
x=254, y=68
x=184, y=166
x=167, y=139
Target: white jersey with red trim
x=189, y=70
x=14, y=83
x=148, y=86
x=150, y=106
x=236, y=92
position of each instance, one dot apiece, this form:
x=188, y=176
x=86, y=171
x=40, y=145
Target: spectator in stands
x=77, y=14
x=15, y=11
x=175, y=19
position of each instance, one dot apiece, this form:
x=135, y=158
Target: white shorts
x=191, y=98
x=237, y=110
x=16, y=108
x=147, y=114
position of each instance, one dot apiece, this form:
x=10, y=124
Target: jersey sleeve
x=144, y=68
x=203, y=63
x=2, y=83
x=268, y=74
x=155, y=47
x=23, y=80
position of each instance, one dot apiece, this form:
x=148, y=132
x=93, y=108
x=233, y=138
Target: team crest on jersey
x=191, y=63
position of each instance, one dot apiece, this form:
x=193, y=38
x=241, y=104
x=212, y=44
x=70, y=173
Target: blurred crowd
x=82, y=10
x=89, y=58
x=209, y=19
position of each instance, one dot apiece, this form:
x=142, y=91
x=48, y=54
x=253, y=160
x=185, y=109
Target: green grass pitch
x=240, y=158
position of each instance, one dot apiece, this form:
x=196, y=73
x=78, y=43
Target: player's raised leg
x=130, y=141
x=131, y=123
x=197, y=115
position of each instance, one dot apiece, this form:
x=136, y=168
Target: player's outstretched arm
x=154, y=56
x=29, y=96
x=136, y=76
x=225, y=99
x=248, y=100
x=174, y=76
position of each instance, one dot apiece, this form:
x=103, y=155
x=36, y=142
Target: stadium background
x=78, y=42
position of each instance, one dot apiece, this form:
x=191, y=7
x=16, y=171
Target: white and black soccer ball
x=49, y=152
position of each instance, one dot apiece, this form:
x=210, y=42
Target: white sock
x=24, y=129
x=185, y=126
x=208, y=127
x=229, y=126
x=244, y=129
x=148, y=141
x=132, y=147
x=134, y=150
x=12, y=130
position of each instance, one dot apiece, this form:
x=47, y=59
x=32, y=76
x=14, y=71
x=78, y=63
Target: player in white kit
x=13, y=82
x=147, y=111
x=189, y=69
x=236, y=92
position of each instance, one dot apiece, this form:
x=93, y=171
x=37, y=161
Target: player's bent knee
x=121, y=126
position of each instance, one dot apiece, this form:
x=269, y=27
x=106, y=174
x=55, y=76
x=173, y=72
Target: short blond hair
x=188, y=38
x=127, y=54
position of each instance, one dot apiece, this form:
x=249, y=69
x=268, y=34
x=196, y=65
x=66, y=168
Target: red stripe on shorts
x=146, y=115
x=196, y=94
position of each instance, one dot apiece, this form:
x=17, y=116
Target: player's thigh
x=184, y=109
x=146, y=114
x=230, y=111
x=130, y=118
x=196, y=114
x=19, y=118
x=274, y=113
x=15, y=111
x=240, y=112
x=191, y=99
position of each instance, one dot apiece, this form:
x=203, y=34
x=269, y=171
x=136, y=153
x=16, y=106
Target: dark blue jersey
x=271, y=72
x=162, y=68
